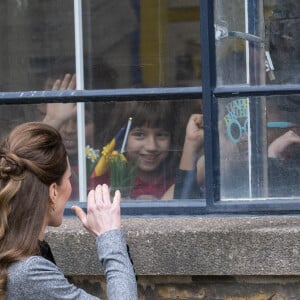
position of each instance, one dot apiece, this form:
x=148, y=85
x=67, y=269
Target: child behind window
x=149, y=147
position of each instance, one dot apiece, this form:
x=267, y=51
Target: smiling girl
x=149, y=146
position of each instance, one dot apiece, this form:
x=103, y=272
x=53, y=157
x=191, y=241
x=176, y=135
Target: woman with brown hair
x=34, y=188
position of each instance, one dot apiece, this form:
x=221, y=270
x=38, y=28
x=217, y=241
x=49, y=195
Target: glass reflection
x=134, y=43
x=146, y=43
x=162, y=157
x=257, y=44
x=284, y=146
x=35, y=35
x=234, y=148
x=143, y=164
x=279, y=155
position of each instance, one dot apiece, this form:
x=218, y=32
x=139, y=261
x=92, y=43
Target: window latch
x=222, y=32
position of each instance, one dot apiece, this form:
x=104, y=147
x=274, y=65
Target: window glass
x=282, y=22
x=258, y=43
x=230, y=52
x=137, y=146
x=143, y=163
x=283, y=138
x=128, y=43
x=234, y=143
x=259, y=147
x=36, y=38
x=141, y=43
x=13, y=115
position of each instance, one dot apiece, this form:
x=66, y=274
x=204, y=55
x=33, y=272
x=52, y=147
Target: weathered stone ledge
x=204, y=245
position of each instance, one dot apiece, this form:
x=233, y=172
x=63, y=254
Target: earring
x=54, y=207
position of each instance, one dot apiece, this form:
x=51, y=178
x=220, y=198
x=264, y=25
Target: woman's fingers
x=106, y=195
x=80, y=214
x=102, y=214
x=98, y=195
x=92, y=198
x=102, y=195
x=117, y=199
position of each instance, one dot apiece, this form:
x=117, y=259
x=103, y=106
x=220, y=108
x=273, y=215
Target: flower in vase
x=122, y=174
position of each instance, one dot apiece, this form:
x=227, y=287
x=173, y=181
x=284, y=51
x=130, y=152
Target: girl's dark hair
x=32, y=157
x=156, y=114
x=153, y=114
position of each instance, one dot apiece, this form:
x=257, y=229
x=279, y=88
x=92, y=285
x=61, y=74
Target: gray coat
x=38, y=278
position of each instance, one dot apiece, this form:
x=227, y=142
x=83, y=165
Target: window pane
x=230, y=52
x=37, y=43
x=143, y=164
x=151, y=153
x=133, y=43
x=13, y=115
x=259, y=147
x=283, y=136
x=257, y=43
x=233, y=141
x=128, y=43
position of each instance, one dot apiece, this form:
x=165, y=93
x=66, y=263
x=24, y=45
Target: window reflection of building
x=282, y=33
